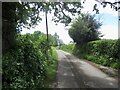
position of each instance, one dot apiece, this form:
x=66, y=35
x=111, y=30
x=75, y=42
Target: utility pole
x=46, y=11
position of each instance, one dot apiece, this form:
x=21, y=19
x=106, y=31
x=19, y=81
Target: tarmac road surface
x=76, y=73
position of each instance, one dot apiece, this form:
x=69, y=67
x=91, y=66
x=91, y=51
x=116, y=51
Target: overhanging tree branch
x=113, y=5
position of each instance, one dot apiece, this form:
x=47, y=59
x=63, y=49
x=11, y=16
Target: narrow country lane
x=75, y=73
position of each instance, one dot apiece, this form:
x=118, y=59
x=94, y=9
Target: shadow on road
x=75, y=73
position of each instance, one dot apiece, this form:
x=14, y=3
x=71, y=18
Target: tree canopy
x=84, y=29
x=16, y=15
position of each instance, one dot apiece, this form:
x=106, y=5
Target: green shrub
x=25, y=67
x=81, y=51
x=115, y=65
x=102, y=47
x=91, y=57
x=68, y=48
x=116, y=51
x=104, y=52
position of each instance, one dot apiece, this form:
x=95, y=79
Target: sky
x=108, y=17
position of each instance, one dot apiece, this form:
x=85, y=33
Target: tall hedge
x=105, y=51
x=102, y=47
x=25, y=67
x=67, y=48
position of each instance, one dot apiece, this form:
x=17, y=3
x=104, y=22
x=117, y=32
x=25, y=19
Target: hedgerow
x=26, y=65
x=102, y=47
x=67, y=48
x=104, y=52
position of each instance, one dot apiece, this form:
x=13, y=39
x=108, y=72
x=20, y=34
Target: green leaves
x=24, y=67
x=63, y=11
x=84, y=29
x=26, y=15
x=106, y=52
x=103, y=52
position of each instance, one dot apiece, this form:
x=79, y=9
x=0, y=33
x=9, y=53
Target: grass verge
x=51, y=70
x=110, y=68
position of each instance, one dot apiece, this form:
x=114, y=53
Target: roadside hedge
x=26, y=66
x=102, y=47
x=104, y=52
x=68, y=48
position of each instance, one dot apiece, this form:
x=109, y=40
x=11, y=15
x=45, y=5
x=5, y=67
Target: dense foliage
x=54, y=41
x=17, y=15
x=14, y=17
x=104, y=52
x=67, y=48
x=26, y=58
x=84, y=29
x=26, y=66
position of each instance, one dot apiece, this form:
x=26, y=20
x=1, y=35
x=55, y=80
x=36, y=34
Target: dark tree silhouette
x=114, y=5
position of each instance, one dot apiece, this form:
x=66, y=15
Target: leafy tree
x=58, y=41
x=84, y=29
x=25, y=56
x=35, y=37
x=38, y=37
x=57, y=38
x=14, y=17
x=26, y=14
x=52, y=40
x=61, y=42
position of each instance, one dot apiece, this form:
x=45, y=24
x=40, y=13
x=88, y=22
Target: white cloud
x=59, y=29
x=108, y=10
x=89, y=4
x=52, y=28
x=109, y=32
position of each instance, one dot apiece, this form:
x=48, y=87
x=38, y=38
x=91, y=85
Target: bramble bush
x=25, y=67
